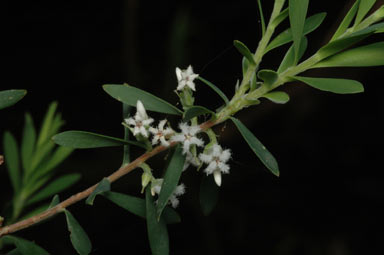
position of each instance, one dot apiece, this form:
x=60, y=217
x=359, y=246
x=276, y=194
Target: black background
x=330, y=195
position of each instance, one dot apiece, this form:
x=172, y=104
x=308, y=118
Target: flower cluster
x=214, y=156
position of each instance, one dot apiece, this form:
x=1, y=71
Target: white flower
x=190, y=160
x=188, y=136
x=185, y=78
x=216, y=159
x=160, y=134
x=140, y=122
x=179, y=190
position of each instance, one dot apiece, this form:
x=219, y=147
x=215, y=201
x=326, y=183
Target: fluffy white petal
x=225, y=155
x=179, y=190
x=178, y=74
x=205, y=158
x=197, y=141
x=141, y=110
x=224, y=168
x=178, y=138
x=163, y=141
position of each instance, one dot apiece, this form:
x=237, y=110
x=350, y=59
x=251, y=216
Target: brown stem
x=83, y=194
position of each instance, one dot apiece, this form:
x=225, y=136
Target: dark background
x=329, y=198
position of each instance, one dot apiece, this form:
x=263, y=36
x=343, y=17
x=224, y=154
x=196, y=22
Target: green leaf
x=214, y=88
x=286, y=36
x=258, y=148
x=46, y=128
x=339, y=86
x=137, y=206
x=55, y=201
x=28, y=143
x=157, y=229
x=53, y=161
x=11, y=155
x=268, y=76
x=243, y=49
x=297, y=13
x=346, y=21
x=103, y=186
x=289, y=58
x=129, y=95
x=278, y=97
x=54, y=187
x=364, y=7
x=245, y=65
x=11, y=97
x=341, y=44
x=209, y=194
x=261, y=17
x=369, y=55
x=14, y=252
x=195, y=111
x=171, y=178
x=25, y=247
x=79, y=238
x=281, y=17
x=84, y=140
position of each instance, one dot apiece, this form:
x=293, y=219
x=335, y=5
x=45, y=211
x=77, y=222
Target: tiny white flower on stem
x=173, y=200
x=188, y=137
x=190, y=160
x=161, y=134
x=185, y=78
x=216, y=159
x=140, y=122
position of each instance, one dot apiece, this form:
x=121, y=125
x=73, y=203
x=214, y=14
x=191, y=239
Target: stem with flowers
x=196, y=144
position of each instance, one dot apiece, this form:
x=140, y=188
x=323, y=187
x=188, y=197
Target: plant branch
x=85, y=193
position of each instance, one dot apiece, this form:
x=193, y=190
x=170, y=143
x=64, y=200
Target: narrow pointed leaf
x=157, y=229
x=243, y=49
x=281, y=17
x=11, y=158
x=195, y=111
x=25, y=247
x=364, y=7
x=137, y=206
x=369, y=55
x=171, y=178
x=103, y=186
x=214, y=88
x=289, y=58
x=129, y=95
x=286, y=36
x=297, y=13
x=339, y=86
x=258, y=148
x=209, y=194
x=245, y=65
x=47, y=166
x=14, y=252
x=46, y=128
x=278, y=97
x=268, y=76
x=28, y=143
x=11, y=97
x=55, y=201
x=56, y=186
x=346, y=21
x=79, y=238
x=261, y=17
x=83, y=140
x=345, y=42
